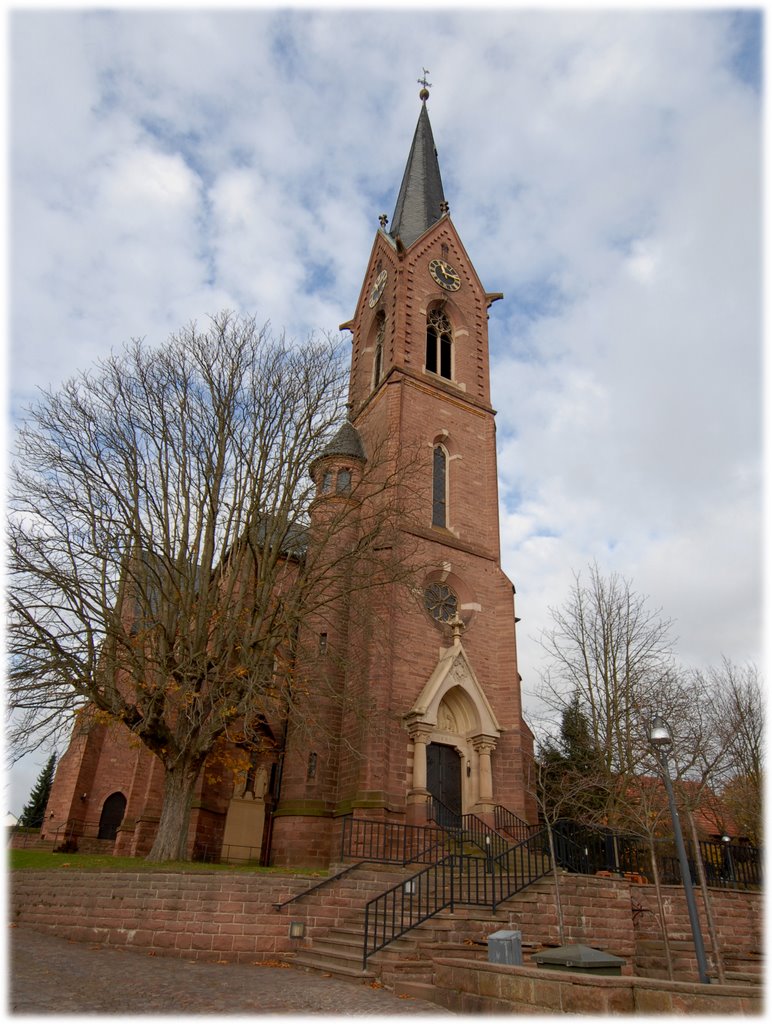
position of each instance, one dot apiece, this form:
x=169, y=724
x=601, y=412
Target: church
x=436, y=668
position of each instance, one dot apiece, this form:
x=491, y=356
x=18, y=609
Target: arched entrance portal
x=443, y=780
x=113, y=810
x=452, y=727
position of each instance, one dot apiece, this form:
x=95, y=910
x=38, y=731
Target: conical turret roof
x=421, y=198
x=347, y=443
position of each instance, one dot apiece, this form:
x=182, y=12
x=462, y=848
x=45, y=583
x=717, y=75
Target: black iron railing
x=408, y=904
x=468, y=828
x=731, y=865
x=330, y=880
x=463, y=879
x=458, y=879
x=600, y=849
x=507, y=821
x=727, y=865
x=70, y=832
x=520, y=866
x=388, y=842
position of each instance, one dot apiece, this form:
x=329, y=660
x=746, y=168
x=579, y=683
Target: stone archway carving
x=452, y=709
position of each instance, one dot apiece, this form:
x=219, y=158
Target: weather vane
x=424, y=93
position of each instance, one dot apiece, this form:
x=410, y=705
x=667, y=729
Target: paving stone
x=52, y=975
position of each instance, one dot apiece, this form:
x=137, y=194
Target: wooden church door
x=443, y=780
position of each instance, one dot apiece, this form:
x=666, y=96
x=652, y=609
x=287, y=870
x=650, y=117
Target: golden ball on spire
x=424, y=93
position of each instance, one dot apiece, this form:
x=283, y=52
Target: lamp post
x=661, y=740
x=726, y=840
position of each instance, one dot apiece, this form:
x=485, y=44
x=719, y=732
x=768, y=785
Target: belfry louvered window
x=439, y=344
x=439, y=487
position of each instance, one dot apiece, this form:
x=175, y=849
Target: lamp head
x=659, y=733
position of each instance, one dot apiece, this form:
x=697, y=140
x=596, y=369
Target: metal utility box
x=579, y=959
x=505, y=948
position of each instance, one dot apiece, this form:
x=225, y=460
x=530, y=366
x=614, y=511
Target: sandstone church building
x=444, y=727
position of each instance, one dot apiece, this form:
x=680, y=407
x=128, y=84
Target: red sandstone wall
x=220, y=915
x=198, y=916
x=738, y=921
x=471, y=987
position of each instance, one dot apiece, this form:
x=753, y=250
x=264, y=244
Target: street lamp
x=661, y=740
x=726, y=840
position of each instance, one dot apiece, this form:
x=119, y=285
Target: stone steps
x=416, y=989
x=334, y=938
x=337, y=948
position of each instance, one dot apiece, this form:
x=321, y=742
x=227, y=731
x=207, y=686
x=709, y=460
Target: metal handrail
x=390, y=842
x=520, y=866
x=507, y=821
x=467, y=828
x=321, y=884
x=457, y=879
x=406, y=905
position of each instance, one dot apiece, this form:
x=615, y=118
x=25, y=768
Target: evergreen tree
x=572, y=776
x=32, y=815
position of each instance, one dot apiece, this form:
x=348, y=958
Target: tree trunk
x=171, y=841
x=717, y=958
x=661, y=909
x=556, y=878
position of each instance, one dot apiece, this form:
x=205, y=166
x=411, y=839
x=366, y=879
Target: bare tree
x=162, y=555
x=737, y=708
x=609, y=657
x=565, y=781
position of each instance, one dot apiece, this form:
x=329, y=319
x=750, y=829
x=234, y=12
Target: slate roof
x=346, y=442
x=420, y=195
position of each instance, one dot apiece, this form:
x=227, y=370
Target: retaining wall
x=472, y=986
x=219, y=915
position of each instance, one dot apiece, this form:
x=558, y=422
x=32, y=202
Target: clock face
x=445, y=275
x=380, y=284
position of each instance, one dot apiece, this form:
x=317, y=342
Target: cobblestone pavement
x=48, y=974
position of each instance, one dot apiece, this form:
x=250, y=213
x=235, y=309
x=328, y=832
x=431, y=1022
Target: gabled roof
x=419, y=204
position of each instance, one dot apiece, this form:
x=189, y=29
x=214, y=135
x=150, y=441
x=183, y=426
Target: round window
x=440, y=602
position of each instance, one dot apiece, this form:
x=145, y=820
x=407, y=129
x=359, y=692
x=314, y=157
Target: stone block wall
x=216, y=914
x=472, y=986
x=199, y=916
x=738, y=918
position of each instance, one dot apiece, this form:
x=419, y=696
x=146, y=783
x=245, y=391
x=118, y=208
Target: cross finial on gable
x=458, y=626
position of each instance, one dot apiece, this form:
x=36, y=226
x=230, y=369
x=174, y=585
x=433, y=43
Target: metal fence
x=727, y=865
x=393, y=843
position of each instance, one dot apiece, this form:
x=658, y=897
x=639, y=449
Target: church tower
x=437, y=664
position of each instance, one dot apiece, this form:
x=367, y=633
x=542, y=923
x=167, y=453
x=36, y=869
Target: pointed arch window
x=380, y=333
x=439, y=344
x=440, y=486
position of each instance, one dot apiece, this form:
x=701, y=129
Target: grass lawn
x=43, y=860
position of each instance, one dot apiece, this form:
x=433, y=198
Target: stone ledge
x=495, y=988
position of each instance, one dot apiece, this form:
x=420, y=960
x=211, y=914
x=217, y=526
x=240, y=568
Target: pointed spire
x=421, y=200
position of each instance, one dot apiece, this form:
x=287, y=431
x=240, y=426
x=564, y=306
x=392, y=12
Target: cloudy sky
x=602, y=168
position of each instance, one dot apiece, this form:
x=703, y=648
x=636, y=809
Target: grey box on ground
x=505, y=947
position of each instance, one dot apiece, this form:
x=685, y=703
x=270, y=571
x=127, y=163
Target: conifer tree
x=32, y=815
